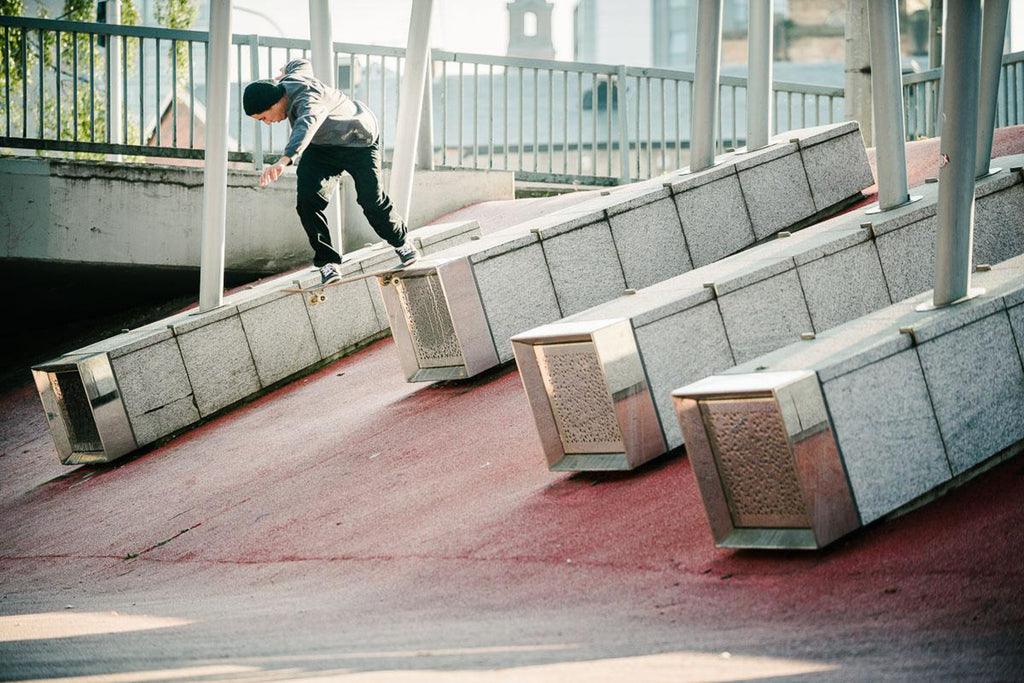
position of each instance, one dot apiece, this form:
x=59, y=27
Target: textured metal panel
x=579, y=397
x=430, y=322
x=69, y=393
x=756, y=464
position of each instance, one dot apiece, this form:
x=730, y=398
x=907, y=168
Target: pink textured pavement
x=355, y=526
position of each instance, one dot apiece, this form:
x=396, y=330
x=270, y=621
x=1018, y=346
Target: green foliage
x=180, y=14
x=177, y=13
x=12, y=8
x=129, y=13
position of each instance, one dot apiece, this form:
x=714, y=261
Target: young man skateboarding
x=334, y=134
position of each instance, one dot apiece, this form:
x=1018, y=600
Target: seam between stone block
x=316, y=339
x=252, y=357
x=931, y=404
x=127, y=415
x=839, y=449
x=803, y=295
x=487, y=318
x=547, y=267
x=679, y=217
x=650, y=386
x=725, y=328
x=1019, y=343
x=746, y=208
x=807, y=177
x=615, y=246
x=881, y=266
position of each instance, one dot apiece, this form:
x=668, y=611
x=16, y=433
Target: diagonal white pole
x=759, y=73
x=705, y=84
x=993, y=33
x=215, y=177
x=417, y=54
x=887, y=104
x=958, y=147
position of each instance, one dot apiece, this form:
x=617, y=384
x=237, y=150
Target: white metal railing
x=542, y=119
x=921, y=98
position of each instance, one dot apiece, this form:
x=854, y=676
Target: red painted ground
x=351, y=523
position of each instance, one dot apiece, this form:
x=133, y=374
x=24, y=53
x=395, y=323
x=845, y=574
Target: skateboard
x=317, y=294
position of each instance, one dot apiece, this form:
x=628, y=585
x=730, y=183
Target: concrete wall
x=136, y=214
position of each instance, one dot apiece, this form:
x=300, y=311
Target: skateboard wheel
x=313, y=300
x=323, y=297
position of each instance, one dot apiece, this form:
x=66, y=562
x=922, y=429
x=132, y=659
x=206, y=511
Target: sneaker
x=407, y=254
x=329, y=273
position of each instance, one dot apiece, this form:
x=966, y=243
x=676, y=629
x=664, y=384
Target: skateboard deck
x=317, y=294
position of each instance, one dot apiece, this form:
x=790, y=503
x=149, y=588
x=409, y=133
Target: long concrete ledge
x=110, y=398
x=599, y=383
x=452, y=316
x=798, y=447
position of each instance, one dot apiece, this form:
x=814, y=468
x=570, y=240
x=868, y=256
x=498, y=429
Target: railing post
x=623, y=113
x=935, y=34
x=257, y=133
x=215, y=177
x=887, y=105
x=958, y=146
x=993, y=33
x=425, y=144
x=321, y=52
x=115, y=96
x=760, y=55
x=417, y=52
x=705, y=89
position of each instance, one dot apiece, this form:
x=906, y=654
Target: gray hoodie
x=322, y=115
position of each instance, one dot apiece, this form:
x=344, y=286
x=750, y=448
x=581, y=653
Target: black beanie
x=260, y=96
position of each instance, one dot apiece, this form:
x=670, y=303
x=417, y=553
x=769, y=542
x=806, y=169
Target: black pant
x=320, y=169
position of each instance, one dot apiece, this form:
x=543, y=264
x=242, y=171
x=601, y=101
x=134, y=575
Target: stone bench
x=798, y=447
x=599, y=383
x=110, y=398
x=452, y=316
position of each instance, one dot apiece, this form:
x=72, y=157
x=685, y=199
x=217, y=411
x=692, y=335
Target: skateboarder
x=333, y=133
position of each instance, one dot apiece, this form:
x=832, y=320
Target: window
x=530, y=24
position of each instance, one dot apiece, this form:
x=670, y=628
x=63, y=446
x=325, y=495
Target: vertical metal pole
x=759, y=74
x=993, y=33
x=115, y=95
x=623, y=112
x=857, y=89
x=935, y=34
x=215, y=177
x=254, y=74
x=322, y=57
x=706, y=77
x=887, y=104
x=425, y=147
x=955, y=210
x=417, y=53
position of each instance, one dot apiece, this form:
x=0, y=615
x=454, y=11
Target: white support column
x=760, y=55
x=957, y=151
x=215, y=177
x=322, y=56
x=993, y=33
x=857, y=89
x=425, y=146
x=705, y=86
x=887, y=106
x=417, y=54
x=116, y=98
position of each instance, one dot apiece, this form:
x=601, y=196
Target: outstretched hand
x=273, y=172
